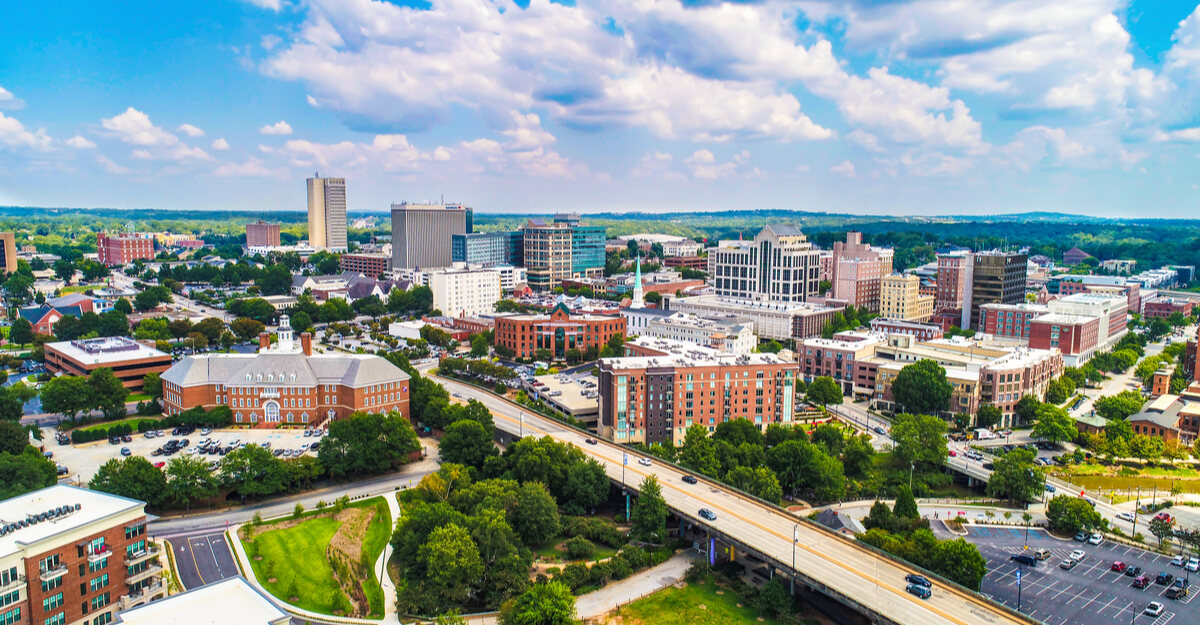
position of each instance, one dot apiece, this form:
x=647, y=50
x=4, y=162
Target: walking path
x=617, y=594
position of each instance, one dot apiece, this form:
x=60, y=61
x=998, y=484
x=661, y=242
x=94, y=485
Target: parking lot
x=1090, y=593
x=82, y=461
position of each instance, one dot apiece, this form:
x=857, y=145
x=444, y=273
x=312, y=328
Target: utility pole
x=1018, y=590
x=1137, y=504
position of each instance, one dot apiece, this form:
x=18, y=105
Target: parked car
x=1178, y=589
x=1164, y=578
x=1133, y=571
x=1042, y=554
x=1050, y=488
x=1078, y=554
x=125, y=451
x=919, y=580
x=1081, y=536
x=1126, y=516
x=1118, y=566
x=1154, y=609
x=918, y=590
x=1096, y=539
x=1193, y=564
x=1178, y=561
x=1141, y=581
x=1068, y=564
x=1024, y=558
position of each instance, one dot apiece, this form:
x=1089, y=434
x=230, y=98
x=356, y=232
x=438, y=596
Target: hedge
x=218, y=417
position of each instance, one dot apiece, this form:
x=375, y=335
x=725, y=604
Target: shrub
x=574, y=575
x=298, y=511
x=636, y=556
x=593, y=529
x=580, y=548
x=620, y=569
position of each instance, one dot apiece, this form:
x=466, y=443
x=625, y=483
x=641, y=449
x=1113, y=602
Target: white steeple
x=285, y=344
x=638, y=296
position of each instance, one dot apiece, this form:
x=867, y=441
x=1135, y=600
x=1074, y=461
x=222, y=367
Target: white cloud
x=220, y=144
x=252, y=168
x=273, y=5
x=190, y=130
x=278, y=128
x=10, y=101
x=393, y=152
x=80, y=142
x=864, y=140
x=111, y=167
x=143, y=155
x=14, y=135
x=134, y=127
x=703, y=164
x=1188, y=135
x=844, y=168
x=270, y=42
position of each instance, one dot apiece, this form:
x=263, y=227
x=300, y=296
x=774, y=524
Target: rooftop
x=230, y=600
x=105, y=350
x=684, y=354
x=86, y=507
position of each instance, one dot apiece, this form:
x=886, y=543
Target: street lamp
x=911, y=466
x=795, y=539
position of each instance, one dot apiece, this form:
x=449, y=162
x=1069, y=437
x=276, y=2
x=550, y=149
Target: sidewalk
x=617, y=594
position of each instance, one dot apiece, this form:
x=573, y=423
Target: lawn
x=295, y=557
x=554, y=549
x=695, y=604
x=134, y=397
x=78, y=288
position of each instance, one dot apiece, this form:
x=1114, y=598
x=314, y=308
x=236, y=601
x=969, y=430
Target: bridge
x=851, y=572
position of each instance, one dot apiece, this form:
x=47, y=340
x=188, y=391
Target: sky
x=916, y=107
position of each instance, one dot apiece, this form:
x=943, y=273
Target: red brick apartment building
x=1073, y=335
x=1009, y=320
x=1166, y=307
x=122, y=250
x=692, y=262
x=373, y=265
x=668, y=386
x=286, y=383
x=262, y=234
x=71, y=556
x=558, y=332
x=129, y=360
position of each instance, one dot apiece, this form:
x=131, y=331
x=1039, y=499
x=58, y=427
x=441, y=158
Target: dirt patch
x=346, y=556
x=249, y=531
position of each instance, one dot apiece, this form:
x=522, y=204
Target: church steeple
x=638, y=296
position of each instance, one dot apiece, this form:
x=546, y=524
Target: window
x=98, y=583
x=57, y=619
x=52, y=584
x=49, y=603
x=100, y=601
x=103, y=619
x=98, y=565
x=10, y=617
x=9, y=598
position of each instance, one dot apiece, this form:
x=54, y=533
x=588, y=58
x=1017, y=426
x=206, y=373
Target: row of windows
x=10, y=617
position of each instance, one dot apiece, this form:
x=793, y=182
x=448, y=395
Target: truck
x=983, y=434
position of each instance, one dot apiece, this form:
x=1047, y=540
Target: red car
x=952, y=453
x=1118, y=567
x=1163, y=516
x=1141, y=581
x=160, y=464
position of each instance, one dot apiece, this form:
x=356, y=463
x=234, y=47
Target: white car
x=1078, y=554
x=1193, y=565
x=1096, y=539
x=645, y=462
x=1154, y=609
x=1178, y=561
x=1126, y=516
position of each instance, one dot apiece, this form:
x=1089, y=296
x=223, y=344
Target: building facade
x=691, y=262
x=921, y=331
x=286, y=383
x=327, y=213
x=262, y=234
x=836, y=357
x=996, y=278
x=664, y=387
x=123, y=249
x=1010, y=320
x=772, y=320
x=779, y=265
x=953, y=278
x=900, y=298
x=8, y=252
x=71, y=556
x=857, y=271
x=372, y=265
x=129, y=360
x=422, y=233
x=489, y=249
x=723, y=336
x=547, y=253
x=465, y=292
x=559, y=331
x=1165, y=307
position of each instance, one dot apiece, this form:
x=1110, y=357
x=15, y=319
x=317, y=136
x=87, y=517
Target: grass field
x=696, y=604
x=295, y=557
x=554, y=549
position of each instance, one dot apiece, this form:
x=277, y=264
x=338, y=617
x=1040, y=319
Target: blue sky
x=884, y=106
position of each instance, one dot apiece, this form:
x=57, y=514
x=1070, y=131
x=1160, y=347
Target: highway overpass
x=840, y=567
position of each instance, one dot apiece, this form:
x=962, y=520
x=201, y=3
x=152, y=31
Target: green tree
x=189, y=479
x=211, y=328
x=548, y=603
x=1162, y=528
x=67, y=395
x=1068, y=514
x=857, y=455
x=451, y=564
x=586, y=488
x=960, y=561
x=108, y=393
x=824, y=391
x=1053, y=424
x=988, y=416
x=13, y=437
x=276, y=280
x=758, y=481
x=698, y=452
x=468, y=443
x=253, y=472
x=906, y=504
x=25, y=472
x=367, y=444
x=1119, y=406
x=919, y=439
x=535, y=516
x=152, y=385
x=922, y=388
x=1027, y=408
x=479, y=346
x=880, y=517
x=649, y=513
x=1148, y=448
x=123, y=306
x=1015, y=478
x=133, y=477
x=246, y=328
x=21, y=332
x=804, y=467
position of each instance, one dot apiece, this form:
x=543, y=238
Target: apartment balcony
x=151, y=571
x=54, y=573
x=141, y=597
x=99, y=554
x=14, y=582
x=140, y=556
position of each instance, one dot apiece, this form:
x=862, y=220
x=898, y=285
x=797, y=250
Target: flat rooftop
x=231, y=600
x=572, y=401
x=105, y=350
x=685, y=354
x=92, y=506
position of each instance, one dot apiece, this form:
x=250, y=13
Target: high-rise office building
x=8, y=252
x=262, y=234
x=422, y=234
x=562, y=248
x=953, y=276
x=857, y=271
x=779, y=265
x=327, y=213
x=995, y=278
x=489, y=249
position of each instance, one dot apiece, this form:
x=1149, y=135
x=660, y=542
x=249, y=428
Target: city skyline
x=826, y=106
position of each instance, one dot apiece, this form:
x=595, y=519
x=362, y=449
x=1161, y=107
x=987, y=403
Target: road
x=203, y=559
x=1089, y=594
x=843, y=566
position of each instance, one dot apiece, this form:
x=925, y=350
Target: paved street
x=202, y=559
x=1089, y=594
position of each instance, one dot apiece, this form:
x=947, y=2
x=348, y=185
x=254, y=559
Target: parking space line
x=1110, y=602
x=1051, y=585
x=1069, y=586
x=1092, y=600
x=1081, y=591
x=1118, y=615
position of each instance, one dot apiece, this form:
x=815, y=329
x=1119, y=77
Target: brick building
x=953, y=278
x=921, y=331
x=836, y=357
x=123, y=249
x=558, y=332
x=70, y=556
x=666, y=386
x=857, y=271
x=286, y=383
x=1073, y=335
x=692, y=262
x=1166, y=306
x=373, y=265
x=262, y=234
x=900, y=297
x=1009, y=320
x=129, y=360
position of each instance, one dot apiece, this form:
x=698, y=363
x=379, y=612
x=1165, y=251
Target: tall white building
x=327, y=213
x=779, y=265
x=726, y=336
x=465, y=292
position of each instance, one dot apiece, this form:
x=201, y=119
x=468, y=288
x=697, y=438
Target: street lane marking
x=191, y=551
